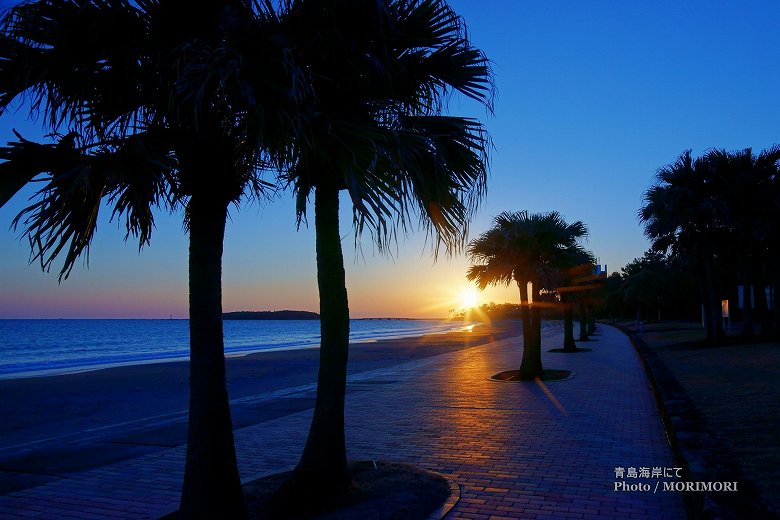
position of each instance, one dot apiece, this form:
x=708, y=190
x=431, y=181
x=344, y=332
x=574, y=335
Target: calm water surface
x=31, y=347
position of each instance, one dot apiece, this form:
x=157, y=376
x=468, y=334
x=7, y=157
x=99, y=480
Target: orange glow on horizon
x=401, y=290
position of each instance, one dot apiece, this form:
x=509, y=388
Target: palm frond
x=74, y=61
x=63, y=217
x=25, y=160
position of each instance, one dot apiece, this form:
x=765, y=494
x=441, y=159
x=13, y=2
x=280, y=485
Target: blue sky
x=592, y=98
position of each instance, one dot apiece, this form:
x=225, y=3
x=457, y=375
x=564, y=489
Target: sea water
x=47, y=347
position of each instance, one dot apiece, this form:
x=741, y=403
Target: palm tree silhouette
x=523, y=248
x=572, y=279
x=751, y=214
x=380, y=73
x=685, y=213
x=718, y=212
x=162, y=113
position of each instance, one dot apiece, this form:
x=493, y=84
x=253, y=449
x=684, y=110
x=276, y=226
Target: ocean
x=48, y=347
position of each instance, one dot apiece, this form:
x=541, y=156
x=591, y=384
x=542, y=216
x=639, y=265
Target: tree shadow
x=547, y=375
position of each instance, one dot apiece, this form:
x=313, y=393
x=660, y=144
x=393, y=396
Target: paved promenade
x=517, y=450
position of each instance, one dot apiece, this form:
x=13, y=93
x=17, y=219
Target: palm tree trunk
x=713, y=295
x=775, y=299
x=324, y=460
x=568, y=327
x=747, y=299
x=747, y=310
x=536, y=321
x=762, y=309
x=212, y=487
x=525, y=315
x=591, y=319
x=583, y=322
x=531, y=363
x=705, y=303
x=770, y=278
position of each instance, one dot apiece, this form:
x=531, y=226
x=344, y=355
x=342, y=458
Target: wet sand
x=39, y=408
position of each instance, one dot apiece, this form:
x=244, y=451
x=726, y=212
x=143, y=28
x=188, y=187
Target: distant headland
x=270, y=315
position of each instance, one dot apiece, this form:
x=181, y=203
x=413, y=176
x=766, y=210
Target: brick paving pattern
x=517, y=450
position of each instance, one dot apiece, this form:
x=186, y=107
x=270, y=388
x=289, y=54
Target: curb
x=448, y=504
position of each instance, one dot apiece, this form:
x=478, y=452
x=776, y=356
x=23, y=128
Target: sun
x=468, y=298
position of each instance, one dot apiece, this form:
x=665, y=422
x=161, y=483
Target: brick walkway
x=517, y=450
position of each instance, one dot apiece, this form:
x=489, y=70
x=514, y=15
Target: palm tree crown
x=524, y=247
x=134, y=84
x=376, y=110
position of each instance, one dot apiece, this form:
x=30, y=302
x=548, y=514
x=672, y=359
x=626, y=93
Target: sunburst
x=468, y=298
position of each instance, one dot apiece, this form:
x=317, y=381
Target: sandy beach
x=60, y=408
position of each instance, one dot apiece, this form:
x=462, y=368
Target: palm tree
x=751, y=213
x=161, y=110
x=523, y=248
x=374, y=130
x=685, y=213
x=572, y=287
x=720, y=207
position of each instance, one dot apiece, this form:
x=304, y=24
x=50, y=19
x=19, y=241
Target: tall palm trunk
x=591, y=319
x=324, y=460
x=713, y=296
x=531, y=363
x=536, y=322
x=773, y=311
x=775, y=299
x=762, y=308
x=525, y=316
x=583, y=322
x=568, y=327
x=747, y=298
x=705, y=304
x=212, y=487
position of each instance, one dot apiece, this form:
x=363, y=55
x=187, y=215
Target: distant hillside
x=271, y=315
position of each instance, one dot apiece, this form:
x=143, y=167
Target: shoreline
x=240, y=352
x=35, y=408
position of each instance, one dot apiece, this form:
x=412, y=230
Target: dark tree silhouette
x=380, y=72
x=683, y=213
x=752, y=212
x=523, y=247
x=573, y=279
x=719, y=210
x=160, y=111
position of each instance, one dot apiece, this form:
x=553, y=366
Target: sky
x=592, y=98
